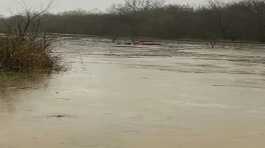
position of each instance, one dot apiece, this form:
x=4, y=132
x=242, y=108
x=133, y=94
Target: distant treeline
x=244, y=20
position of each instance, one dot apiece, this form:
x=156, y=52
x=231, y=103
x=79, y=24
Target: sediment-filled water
x=177, y=95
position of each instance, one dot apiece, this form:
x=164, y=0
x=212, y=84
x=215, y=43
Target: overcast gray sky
x=7, y=7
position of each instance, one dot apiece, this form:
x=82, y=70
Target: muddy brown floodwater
x=178, y=95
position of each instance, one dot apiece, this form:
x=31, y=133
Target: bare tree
x=25, y=45
x=217, y=10
x=27, y=23
x=257, y=7
x=242, y=20
x=131, y=13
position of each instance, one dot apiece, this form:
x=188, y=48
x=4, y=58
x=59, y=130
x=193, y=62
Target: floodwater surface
x=177, y=95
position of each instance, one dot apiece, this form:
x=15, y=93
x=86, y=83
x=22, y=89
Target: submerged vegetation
x=23, y=46
x=24, y=54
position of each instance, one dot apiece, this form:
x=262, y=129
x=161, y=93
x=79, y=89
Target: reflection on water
x=12, y=84
x=179, y=94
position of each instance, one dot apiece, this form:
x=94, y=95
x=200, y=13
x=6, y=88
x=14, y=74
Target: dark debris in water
x=59, y=116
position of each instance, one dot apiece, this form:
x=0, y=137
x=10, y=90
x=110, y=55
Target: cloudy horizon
x=9, y=7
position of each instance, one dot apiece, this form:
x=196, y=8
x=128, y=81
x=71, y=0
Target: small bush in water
x=24, y=47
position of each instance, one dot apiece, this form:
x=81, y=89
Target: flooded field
x=178, y=95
